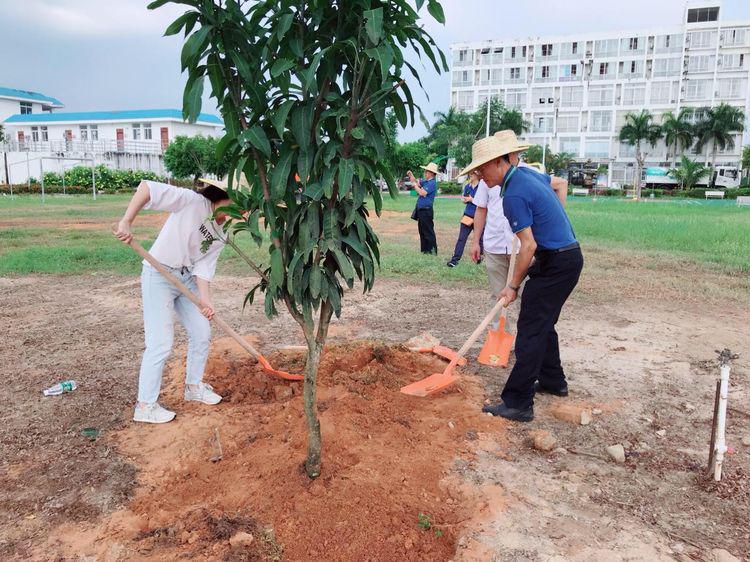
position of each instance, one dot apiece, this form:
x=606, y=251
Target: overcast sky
x=110, y=54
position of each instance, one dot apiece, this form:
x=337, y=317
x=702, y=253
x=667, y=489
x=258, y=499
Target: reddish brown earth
x=387, y=457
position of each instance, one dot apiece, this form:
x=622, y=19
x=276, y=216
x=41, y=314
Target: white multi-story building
x=37, y=137
x=575, y=90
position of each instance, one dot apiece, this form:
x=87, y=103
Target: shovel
x=496, y=349
x=439, y=381
x=222, y=324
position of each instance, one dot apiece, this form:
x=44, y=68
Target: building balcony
x=603, y=77
x=96, y=147
x=570, y=78
x=515, y=81
x=491, y=82
x=462, y=84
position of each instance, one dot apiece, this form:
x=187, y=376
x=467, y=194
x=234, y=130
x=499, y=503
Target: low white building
x=39, y=139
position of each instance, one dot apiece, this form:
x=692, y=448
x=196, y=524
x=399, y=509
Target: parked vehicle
x=725, y=177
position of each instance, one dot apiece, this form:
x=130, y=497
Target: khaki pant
x=497, y=271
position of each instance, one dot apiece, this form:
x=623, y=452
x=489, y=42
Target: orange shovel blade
x=496, y=349
x=430, y=385
x=276, y=373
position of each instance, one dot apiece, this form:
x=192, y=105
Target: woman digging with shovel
x=181, y=248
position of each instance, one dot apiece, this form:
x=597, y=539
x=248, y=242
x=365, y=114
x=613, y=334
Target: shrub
x=450, y=188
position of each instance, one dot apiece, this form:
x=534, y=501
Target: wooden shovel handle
x=190, y=295
x=476, y=333
x=511, y=268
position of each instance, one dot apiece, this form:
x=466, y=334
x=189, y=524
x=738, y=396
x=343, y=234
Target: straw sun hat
x=224, y=183
x=431, y=167
x=491, y=148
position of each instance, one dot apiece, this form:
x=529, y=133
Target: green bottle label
x=67, y=386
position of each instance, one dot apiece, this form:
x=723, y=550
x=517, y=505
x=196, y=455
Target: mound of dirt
x=384, y=492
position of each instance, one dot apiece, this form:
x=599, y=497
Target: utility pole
x=489, y=99
x=7, y=175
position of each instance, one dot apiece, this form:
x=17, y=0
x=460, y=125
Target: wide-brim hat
x=224, y=183
x=488, y=149
x=510, y=136
x=431, y=167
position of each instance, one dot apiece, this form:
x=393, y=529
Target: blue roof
x=129, y=115
x=31, y=96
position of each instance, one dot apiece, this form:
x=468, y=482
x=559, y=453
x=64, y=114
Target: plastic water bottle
x=59, y=388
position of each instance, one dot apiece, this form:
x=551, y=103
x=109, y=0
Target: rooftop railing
x=86, y=147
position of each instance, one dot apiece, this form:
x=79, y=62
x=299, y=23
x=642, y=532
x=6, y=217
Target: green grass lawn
x=33, y=238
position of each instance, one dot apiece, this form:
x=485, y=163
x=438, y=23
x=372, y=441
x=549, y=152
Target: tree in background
x=717, y=129
x=640, y=128
x=304, y=88
x=409, y=156
x=678, y=130
x=193, y=157
x=554, y=163
x=689, y=172
x=446, y=131
x=746, y=158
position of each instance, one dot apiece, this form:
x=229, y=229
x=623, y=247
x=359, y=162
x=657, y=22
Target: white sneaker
x=152, y=413
x=203, y=393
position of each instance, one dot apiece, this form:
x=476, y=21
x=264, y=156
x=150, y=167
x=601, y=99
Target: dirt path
x=640, y=351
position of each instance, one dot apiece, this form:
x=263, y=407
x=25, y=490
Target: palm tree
x=512, y=118
x=640, y=127
x=689, y=172
x=718, y=128
x=678, y=130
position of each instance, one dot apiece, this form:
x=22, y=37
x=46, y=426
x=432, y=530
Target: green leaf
x=308, y=76
x=257, y=137
x=420, y=3
x=159, y=3
x=281, y=66
x=384, y=55
x=192, y=99
x=335, y=298
x=358, y=133
x=176, y=26
x=277, y=268
x=280, y=173
x=278, y=117
x=315, y=275
x=346, y=173
x=374, y=24
x=194, y=46
x=436, y=10
x=285, y=22
x=222, y=146
x=345, y=266
x=314, y=191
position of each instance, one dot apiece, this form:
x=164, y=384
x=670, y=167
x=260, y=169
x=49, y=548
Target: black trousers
x=551, y=280
x=426, y=226
x=463, y=236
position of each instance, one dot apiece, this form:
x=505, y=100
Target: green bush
x=78, y=180
x=450, y=188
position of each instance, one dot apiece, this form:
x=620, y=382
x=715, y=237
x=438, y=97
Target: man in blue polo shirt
x=537, y=217
x=426, y=190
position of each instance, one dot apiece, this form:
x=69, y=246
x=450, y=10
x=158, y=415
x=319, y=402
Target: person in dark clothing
x=537, y=217
x=467, y=220
x=426, y=188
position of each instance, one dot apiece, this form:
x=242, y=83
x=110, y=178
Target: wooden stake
x=217, y=446
x=712, y=443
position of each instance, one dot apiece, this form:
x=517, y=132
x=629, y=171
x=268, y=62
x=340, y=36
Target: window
x=35, y=134
x=543, y=124
x=697, y=15
x=545, y=72
x=732, y=62
x=631, y=68
x=461, y=57
x=567, y=123
x=702, y=39
x=701, y=63
x=147, y=131
x=547, y=50
x=597, y=148
x=601, y=121
x=569, y=72
x=94, y=132
x=601, y=95
x=661, y=92
x=45, y=135
x=84, y=132
x=543, y=97
x=571, y=145
x=634, y=94
x=574, y=47
x=633, y=44
x=462, y=78
x=523, y=51
x=515, y=73
x=465, y=101
x=732, y=87
x=666, y=67
x=516, y=99
x=571, y=96
x=25, y=108
x=136, y=131
x=512, y=52
x=603, y=68
x=734, y=36
x=697, y=89
x=666, y=41
x=605, y=47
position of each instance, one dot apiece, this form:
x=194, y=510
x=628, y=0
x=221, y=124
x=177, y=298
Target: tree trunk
x=712, y=183
x=638, y=172
x=315, y=344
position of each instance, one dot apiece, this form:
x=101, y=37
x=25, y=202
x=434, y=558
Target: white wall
x=13, y=107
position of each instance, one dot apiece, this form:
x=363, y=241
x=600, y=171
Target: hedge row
x=694, y=193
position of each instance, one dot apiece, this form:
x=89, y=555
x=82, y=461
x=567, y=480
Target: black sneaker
x=562, y=392
x=451, y=264
x=514, y=414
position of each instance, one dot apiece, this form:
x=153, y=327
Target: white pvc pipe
x=721, y=445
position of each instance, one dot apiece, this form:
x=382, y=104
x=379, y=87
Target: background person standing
x=467, y=220
x=426, y=188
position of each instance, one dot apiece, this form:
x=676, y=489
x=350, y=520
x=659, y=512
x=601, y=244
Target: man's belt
x=573, y=246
